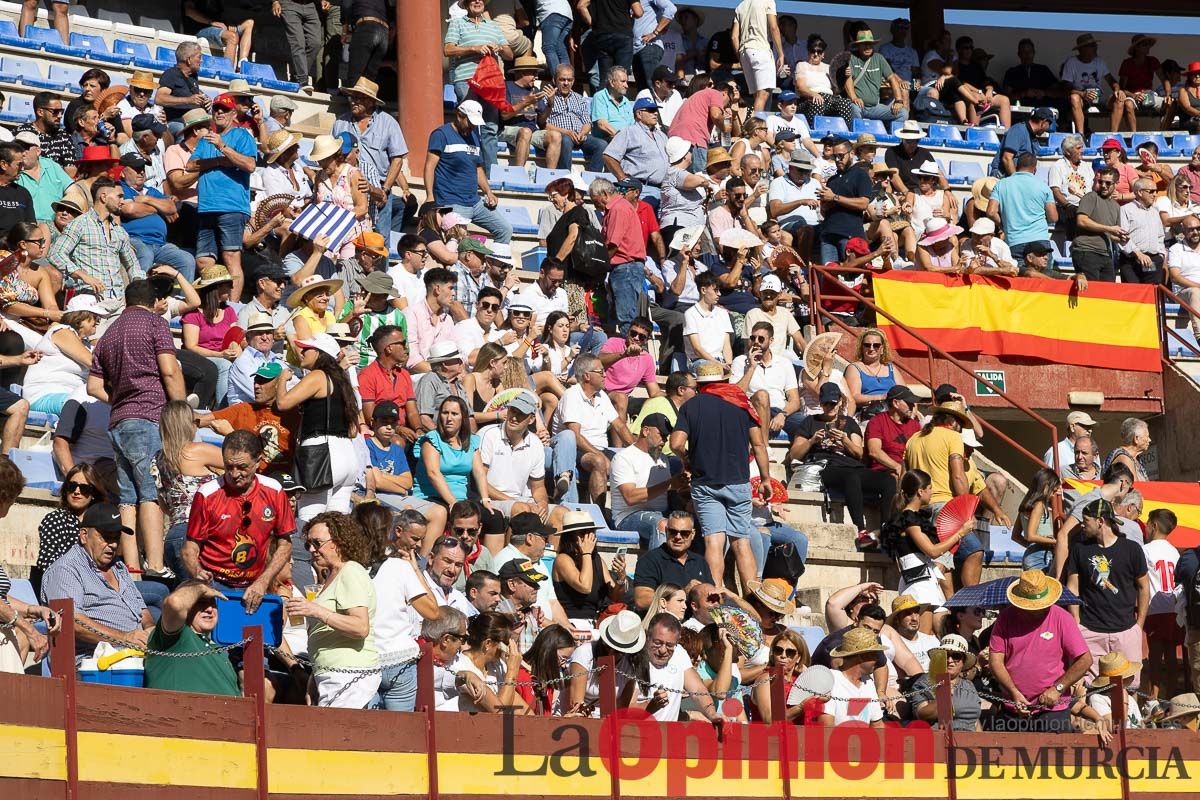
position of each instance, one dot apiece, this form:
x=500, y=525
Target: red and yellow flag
x=1182, y=498
x=1110, y=325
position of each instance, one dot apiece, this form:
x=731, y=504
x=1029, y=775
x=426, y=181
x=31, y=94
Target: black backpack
x=589, y=257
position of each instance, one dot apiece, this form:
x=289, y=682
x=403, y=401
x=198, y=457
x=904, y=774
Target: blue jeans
x=223, y=366
x=489, y=132
x=555, y=29
x=881, y=111
x=604, y=51
x=397, y=688
x=150, y=254
x=699, y=159
x=218, y=232
x=135, y=443
x=593, y=152
x=645, y=61
x=628, y=283
x=589, y=341
x=390, y=218
x=302, y=570
x=646, y=523
x=153, y=594
x=833, y=247
x=560, y=457
x=489, y=219
x=173, y=548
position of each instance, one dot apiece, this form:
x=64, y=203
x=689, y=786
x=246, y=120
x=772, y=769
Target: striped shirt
x=466, y=288
x=570, y=113
x=75, y=577
x=98, y=248
x=371, y=322
x=465, y=33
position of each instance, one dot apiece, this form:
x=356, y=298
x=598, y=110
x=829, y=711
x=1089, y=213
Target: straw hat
x=717, y=156
x=879, y=168
x=310, y=285
x=954, y=408
x=1182, y=705
x=902, y=603
x=623, y=631
x=911, y=129
x=774, y=593
x=939, y=234
x=857, y=641
x=865, y=140
x=1034, y=591
x=578, y=522
x=259, y=322
x=821, y=345
x=340, y=332
x=864, y=37
x=143, y=79
x=953, y=643
x=212, y=275
x=526, y=63
x=1085, y=40
x=239, y=87
x=364, y=87
x=1114, y=666
x=710, y=373
x=279, y=143
x=981, y=192
x=324, y=147
x=441, y=352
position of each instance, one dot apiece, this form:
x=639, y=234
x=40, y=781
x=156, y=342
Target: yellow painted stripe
x=991, y=308
x=119, y=758
x=478, y=773
x=1012, y=783
x=1163, y=776
x=28, y=752
x=345, y=772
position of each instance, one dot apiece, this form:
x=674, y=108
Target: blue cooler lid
x=232, y=617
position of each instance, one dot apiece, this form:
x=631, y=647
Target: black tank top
x=313, y=415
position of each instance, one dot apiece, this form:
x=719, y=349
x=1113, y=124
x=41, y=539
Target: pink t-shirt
x=211, y=334
x=691, y=120
x=176, y=157
x=1037, y=652
x=624, y=375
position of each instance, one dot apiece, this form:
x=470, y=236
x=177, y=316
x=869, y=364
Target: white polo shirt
x=592, y=415
x=711, y=326
x=409, y=285
x=511, y=468
x=1186, y=260
x=633, y=465
x=783, y=190
x=776, y=378
x=532, y=295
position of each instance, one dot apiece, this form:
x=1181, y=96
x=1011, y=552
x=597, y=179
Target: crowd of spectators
x=425, y=448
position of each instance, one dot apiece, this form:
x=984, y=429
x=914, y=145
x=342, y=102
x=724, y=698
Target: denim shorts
x=725, y=508
x=212, y=34
x=135, y=443
x=1038, y=558
x=219, y=232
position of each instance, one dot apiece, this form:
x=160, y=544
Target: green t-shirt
x=203, y=674
x=352, y=588
x=371, y=322
x=868, y=76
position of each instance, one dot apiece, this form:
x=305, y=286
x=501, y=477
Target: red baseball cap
x=858, y=246
x=225, y=99
x=1112, y=143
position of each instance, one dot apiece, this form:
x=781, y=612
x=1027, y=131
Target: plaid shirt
x=75, y=577
x=100, y=250
x=570, y=113
x=466, y=288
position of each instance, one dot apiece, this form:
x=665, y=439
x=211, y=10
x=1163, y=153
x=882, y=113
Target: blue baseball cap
x=786, y=135
x=645, y=104
x=787, y=97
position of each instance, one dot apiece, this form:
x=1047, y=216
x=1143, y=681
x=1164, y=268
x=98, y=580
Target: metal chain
x=212, y=649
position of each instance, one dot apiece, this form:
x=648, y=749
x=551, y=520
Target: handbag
x=314, y=467
x=783, y=562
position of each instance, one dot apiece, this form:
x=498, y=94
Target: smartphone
x=621, y=551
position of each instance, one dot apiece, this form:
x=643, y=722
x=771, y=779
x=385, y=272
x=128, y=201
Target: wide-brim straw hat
x=857, y=641
x=954, y=408
x=310, y=285
x=212, y=275
x=324, y=146
x=578, y=522
x=953, y=643
x=1085, y=40
x=526, y=63
x=1034, y=591
x=981, y=192
x=711, y=373
x=143, y=79
x=1113, y=667
x=1182, y=705
x=716, y=157
x=623, y=632
x=902, y=603
x=279, y=143
x=774, y=593
x=364, y=87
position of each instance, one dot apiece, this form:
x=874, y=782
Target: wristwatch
x=1058, y=687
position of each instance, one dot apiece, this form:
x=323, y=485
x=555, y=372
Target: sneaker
x=866, y=540
x=193, y=400
x=562, y=484
x=165, y=574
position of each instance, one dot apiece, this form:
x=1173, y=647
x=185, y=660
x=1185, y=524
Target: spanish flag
x=1182, y=498
x=1110, y=325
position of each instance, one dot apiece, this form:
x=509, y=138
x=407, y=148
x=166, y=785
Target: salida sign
x=853, y=751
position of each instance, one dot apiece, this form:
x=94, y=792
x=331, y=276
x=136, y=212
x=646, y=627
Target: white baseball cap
x=770, y=283
x=472, y=111
x=983, y=227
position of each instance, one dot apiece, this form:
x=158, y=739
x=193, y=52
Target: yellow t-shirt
x=931, y=452
x=316, y=325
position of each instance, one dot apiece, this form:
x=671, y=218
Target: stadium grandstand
x=763, y=373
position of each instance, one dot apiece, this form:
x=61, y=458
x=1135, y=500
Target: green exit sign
x=995, y=376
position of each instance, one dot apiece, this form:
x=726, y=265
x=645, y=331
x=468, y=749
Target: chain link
x=212, y=649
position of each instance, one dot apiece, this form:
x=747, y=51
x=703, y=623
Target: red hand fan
x=778, y=490
x=234, y=335
x=954, y=515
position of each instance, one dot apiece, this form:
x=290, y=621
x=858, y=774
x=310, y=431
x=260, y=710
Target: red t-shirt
x=622, y=230
x=1139, y=77
x=646, y=216
x=375, y=385
x=234, y=531
x=892, y=437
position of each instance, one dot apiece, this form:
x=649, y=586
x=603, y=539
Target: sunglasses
x=955, y=657
x=738, y=195
x=641, y=337
x=1105, y=183
x=315, y=544
x=461, y=531
x=786, y=652
x=521, y=314
x=489, y=306
x=449, y=541
x=38, y=241
x=872, y=345
x=85, y=489
x=681, y=533
x=52, y=110
x=758, y=339
x=818, y=51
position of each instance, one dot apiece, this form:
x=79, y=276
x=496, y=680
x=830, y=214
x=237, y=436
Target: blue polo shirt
x=1023, y=197
x=619, y=115
x=226, y=189
x=1017, y=140
x=152, y=228
x=455, y=179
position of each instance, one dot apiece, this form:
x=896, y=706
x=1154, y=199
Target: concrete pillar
x=419, y=77
x=928, y=19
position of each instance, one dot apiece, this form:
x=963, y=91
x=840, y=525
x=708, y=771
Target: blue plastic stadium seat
x=588, y=177
x=1185, y=143
x=986, y=136
x=8, y=30
x=264, y=75
x=965, y=172
x=1159, y=140
x=945, y=133
x=531, y=260
x=543, y=176
x=829, y=124
x=1002, y=545
x=38, y=468
x=1100, y=138
x=140, y=53
x=19, y=109
x=518, y=217
x=513, y=179
x=214, y=67
x=15, y=69
x=449, y=98
x=49, y=40
x=874, y=126
x=65, y=75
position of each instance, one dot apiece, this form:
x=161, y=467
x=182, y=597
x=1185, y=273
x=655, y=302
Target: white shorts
x=928, y=592
x=346, y=690
x=505, y=507
x=758, y=67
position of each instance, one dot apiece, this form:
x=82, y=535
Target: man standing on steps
x=710, y=438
